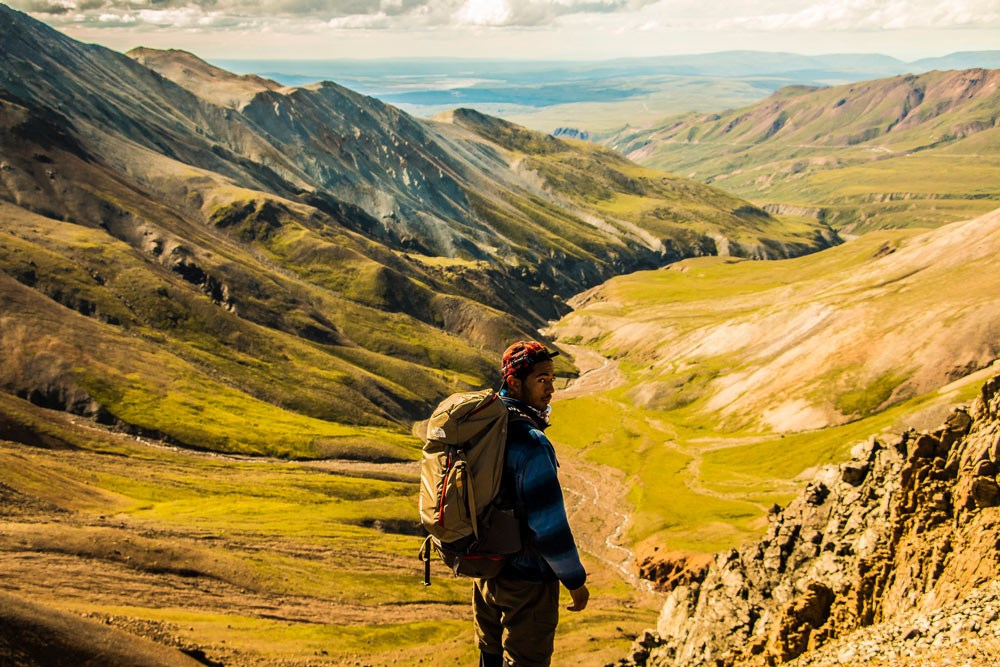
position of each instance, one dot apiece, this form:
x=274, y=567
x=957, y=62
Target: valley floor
x=247, y=562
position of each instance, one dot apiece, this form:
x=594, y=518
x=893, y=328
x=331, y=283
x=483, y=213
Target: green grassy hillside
x=271, y=364
x=674, y=217
x=242, y=561
x=910, y=151
x=298, y=272
x=737, y=377
x=258, y=310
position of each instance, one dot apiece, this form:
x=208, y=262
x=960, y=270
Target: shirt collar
x=540, y=418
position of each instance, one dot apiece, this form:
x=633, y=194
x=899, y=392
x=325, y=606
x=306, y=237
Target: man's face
x=536, y=389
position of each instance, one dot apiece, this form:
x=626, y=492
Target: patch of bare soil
x=393, y=472
x=36, y=635
x=599, y=514
x=13, y=503
x=597, y=373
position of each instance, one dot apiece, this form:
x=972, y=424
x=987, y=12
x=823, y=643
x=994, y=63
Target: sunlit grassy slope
x=251, y=561
x=910, y=151
x=674, y=216
x=740, y=376
x=149, y=349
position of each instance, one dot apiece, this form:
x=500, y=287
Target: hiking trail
x=597, y=505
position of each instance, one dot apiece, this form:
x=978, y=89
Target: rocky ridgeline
x=886, y=559
x=964, y=633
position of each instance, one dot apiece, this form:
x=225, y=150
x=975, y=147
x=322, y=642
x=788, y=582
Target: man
x=517, y=612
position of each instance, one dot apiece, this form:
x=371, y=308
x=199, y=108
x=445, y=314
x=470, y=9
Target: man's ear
x=514, y=387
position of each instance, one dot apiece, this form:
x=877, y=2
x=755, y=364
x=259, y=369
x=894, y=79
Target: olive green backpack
x=460, y=484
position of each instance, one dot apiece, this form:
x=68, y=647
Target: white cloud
x=178, y=18
x=360, y=22
x=529, y=28
x=839, y=15
x=484, y=13
x=118, y=19
x=338, y=14
x=55, y=7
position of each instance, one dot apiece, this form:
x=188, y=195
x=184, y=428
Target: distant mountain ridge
x=961, y=60
x=480, y=77
x=851, y=152
x=755, y=63
x=311, y=255
x=597, y=97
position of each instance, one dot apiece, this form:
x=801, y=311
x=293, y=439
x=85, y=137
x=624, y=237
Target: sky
x=525, y=29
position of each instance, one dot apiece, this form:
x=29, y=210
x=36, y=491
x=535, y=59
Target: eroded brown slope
x=33, y=635
x=810, y=342
x=208, y=82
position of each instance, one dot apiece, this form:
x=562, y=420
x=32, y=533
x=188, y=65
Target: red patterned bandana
x=521, y=356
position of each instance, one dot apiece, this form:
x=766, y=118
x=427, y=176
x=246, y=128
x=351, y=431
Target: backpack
x=460, y=485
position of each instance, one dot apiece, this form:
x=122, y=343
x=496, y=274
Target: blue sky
x=525, y=29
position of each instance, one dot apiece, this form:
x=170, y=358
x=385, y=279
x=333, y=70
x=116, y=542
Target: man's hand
x=580, y=597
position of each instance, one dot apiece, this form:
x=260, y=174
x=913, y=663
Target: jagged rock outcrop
x=673, y=568
x=901, y=531
x=571, y=133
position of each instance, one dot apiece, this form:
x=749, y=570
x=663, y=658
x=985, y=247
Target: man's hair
x=520, y=358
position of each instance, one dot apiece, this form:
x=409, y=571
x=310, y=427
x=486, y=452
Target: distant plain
x=594, y=97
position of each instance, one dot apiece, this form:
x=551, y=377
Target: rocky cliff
x=888, y=556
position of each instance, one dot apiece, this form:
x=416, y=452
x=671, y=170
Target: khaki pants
x=527, y=611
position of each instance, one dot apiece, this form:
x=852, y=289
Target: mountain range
x=596, y=98
x=910, y=150
x=436, y=82
x=308, y=253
